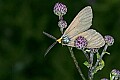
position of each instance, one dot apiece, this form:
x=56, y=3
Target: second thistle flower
x=60, y=9
x=62, y=24
x=115, y=72
x=109, y=40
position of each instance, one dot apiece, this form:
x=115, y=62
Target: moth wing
x=80, y=23
x=94, y=39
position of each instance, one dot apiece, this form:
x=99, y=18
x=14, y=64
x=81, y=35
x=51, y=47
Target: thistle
x=109, y=40
x=62, y=24
x=60, y=10
x=80, y=42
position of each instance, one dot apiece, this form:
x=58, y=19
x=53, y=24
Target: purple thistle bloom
x=60, y=9
x=80, y=42
x=115, y=72
x=62, y=24
x=104, y=79
x=109, y=40
x=118, y=72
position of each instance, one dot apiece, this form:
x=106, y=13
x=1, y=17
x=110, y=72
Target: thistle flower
x=80, y=42
x=118, y=73
x=115, y=72
x=62, y=24
x=109, y=40
x=104, y=79
x=60, y=9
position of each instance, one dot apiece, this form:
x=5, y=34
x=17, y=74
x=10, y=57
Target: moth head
x=64, y=39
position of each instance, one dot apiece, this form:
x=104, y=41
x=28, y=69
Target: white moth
x=80, y=27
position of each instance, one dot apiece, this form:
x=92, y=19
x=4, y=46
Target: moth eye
x=65, y=39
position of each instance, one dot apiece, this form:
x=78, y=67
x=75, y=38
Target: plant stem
x=60, y=18
x=61, y=29
x=103, y=52
x=91, y=58
x=87, y=56
x=76, y=63
x=90, y=73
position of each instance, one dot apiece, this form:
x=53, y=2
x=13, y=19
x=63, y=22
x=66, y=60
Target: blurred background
x=22, y=43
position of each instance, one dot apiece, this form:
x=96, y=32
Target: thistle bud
x=62, y=24
x=109, y=40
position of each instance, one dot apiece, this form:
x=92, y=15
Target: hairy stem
x=61, y=29
x=90, y=73
x=98, y=60
x=76, y=63
x=86, y=55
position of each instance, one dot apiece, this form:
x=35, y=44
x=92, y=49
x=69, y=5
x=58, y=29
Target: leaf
x=110, y=76
x=99, y=67
x=98, y=56
x=101, y=64
x=87, y=50
x=86, y=64
x=107, y=53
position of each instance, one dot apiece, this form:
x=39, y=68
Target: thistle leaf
x=99, y=67
x=101, y=64
x=87, y=50
x=98, y=56
x=107, y=53
x=87, y=64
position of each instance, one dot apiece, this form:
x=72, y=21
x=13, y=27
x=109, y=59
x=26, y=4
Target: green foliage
x=106, y=53
x=99, y=67
x=87, y=64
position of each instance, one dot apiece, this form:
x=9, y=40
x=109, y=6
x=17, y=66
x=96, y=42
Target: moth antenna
x=50, y=36
x=49, y=48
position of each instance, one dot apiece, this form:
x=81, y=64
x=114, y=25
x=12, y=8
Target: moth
x=80, y=27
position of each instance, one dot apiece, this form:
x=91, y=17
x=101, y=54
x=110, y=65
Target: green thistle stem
x=103, y=52
x=60, y=17
x=76, y=63
x=90, y=73
x=86, y=55
x=90, y=61
x=61, y=29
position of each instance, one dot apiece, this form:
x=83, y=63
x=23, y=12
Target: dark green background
x=22, y=44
